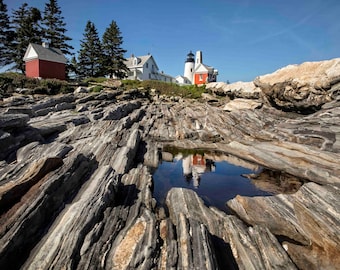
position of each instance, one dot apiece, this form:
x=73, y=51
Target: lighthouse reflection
x=194, y=166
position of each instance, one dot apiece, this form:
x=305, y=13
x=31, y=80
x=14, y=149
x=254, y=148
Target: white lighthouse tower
x=189, y=67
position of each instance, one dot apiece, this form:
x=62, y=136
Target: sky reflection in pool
x=215, y=182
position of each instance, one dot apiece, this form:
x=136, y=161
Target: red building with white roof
x=42, y=61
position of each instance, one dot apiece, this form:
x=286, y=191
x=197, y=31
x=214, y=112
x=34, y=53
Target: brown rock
x=302, y=88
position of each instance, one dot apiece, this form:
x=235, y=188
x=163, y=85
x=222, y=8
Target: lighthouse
x=196, y=72
x=189, y=66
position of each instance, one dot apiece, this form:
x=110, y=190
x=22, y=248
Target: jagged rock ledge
x=76, y=185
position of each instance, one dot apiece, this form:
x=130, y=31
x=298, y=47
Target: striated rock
x=248, y=246
x=169, y=254
x=121, y=110
x=46, y=198
x=275, y=212
x=187, y=202
x=46, y=129
x=135, y=250
x=7, y=144
x=77, y=190
x=241, y=104
x=8, y=121
x=194, y=245
x=13, y=190
x=64, y=106
x=86, y=98
x=246, y=90
x=80, y=90
x=125, y=156
x=126, y=238
x=209, y=98
x=17, y=100
x=303, y=88
x=51, y=102
x=101, y=186
x=35, y=150
x=310, y=216
x=317, y=210
x=20, y=110
x=276, y=182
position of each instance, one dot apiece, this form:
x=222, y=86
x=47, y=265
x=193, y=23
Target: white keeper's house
x=145, y=68
x=195, y=72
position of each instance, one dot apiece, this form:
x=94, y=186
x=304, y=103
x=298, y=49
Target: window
x=147, y=65
x=201, y=77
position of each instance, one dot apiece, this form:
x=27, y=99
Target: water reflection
x=216, y=177
x=194, y=166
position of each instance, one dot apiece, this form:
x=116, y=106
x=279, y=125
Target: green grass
x=95, y=80
x=168, y=89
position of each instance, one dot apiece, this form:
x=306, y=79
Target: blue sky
x=241, y=38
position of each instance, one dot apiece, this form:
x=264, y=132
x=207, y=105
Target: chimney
x=199, y=58
x=45, y=44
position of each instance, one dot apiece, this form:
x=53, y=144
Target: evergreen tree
x=26, y=26
x=90, y=55
x=6, y=35
x=73, y=68
x=113, y=62
x=54, y=27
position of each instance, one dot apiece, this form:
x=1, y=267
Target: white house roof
x=201, y=68
x=141, y=60
x=35, y=51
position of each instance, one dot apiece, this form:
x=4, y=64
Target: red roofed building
x=45, y=62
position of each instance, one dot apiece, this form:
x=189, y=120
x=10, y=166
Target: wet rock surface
x=76, y=187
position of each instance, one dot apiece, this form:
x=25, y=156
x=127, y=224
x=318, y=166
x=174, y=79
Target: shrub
x=11, y=80
x=194, y=91
x=131, y=84
x=55, y=86
x=95, y=80
x=97, y=88
x=40, y=90
x=31, y=83
x=6, y=85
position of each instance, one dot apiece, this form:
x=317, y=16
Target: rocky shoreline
x=76, y=179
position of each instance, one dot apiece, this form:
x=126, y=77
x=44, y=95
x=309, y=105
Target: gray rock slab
x=8, y=121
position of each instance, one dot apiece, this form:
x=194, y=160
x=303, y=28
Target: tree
x=73, y=68
x=6, y=35
x=27, y=29
x=90, y=56
x=113, y=54
x=54, y=27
